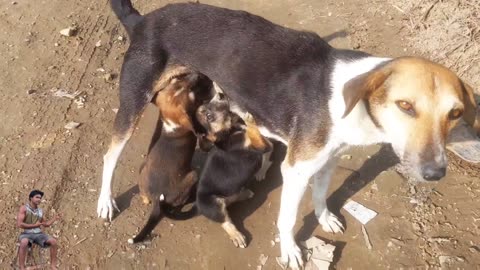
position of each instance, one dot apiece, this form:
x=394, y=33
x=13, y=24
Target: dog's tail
x=157, y=212
x=126, y=13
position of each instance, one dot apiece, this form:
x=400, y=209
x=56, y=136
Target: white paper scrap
x=360, y=212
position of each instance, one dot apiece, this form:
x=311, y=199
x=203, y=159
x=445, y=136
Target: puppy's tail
x=126, y=13
x=155, y=216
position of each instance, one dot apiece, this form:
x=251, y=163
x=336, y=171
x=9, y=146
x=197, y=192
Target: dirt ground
x=418, y=225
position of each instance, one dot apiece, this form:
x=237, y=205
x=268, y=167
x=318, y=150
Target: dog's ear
x=471, y=113
x=363, y=86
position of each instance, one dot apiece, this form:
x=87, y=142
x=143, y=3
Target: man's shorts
x=37, y=238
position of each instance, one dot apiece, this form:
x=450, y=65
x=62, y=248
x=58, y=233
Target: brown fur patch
x=168, y=74
x=255, y=139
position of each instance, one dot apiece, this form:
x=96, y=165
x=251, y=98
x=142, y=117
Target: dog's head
x=180, y=98
x=216, y=119
x=415, y=103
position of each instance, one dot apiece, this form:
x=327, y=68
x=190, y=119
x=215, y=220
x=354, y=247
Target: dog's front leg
x=106, y=203
x=295, y=181
x=321, y=181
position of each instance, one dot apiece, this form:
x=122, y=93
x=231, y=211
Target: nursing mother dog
x=302, y=92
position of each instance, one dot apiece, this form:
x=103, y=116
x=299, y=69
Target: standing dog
x=314, y=98
x=167, y=177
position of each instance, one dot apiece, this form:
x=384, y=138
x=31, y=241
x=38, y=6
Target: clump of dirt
x=448, y=32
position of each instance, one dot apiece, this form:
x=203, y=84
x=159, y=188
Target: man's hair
x=35, y=192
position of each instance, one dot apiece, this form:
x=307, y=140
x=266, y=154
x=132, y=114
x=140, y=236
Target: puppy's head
x=216, y=120
x=415, y=103
x=180, y=98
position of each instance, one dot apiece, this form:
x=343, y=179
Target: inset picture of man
x=30, y=218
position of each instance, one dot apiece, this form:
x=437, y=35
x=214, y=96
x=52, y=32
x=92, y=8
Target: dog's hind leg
x=136, y=91
x=215, y=208
x=321, y=181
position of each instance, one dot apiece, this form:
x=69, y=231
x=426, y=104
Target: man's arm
x=21, y=219
x=50, y=222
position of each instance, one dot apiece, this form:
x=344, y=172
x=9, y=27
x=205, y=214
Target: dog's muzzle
x=433, y=171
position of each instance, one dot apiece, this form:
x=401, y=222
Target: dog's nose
x=433, y=172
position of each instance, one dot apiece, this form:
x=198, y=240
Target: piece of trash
x=367, y=239
x=360, y=212
x=98, y=44
x=463, y=142
x=63, y=93
x=72, y=125
x=68, y=32
x=120, y=38
x=115, y=110
x=319, y=254
x=100, y=70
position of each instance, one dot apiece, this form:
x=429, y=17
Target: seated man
x=30, y=218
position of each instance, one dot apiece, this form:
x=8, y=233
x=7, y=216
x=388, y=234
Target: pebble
x=68, y=32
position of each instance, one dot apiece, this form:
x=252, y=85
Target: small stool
x=35, y=258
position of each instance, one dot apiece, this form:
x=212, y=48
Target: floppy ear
x=363, y=85
x=471, y=113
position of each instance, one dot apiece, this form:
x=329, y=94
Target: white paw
x=238, y=239
x=106, y=206
x=330, y=223
x=262, y=172
x=291, y=254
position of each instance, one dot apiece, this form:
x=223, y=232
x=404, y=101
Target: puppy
x=167, y=178
x=235, y=158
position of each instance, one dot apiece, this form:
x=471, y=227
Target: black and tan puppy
x=233, y=161
x=167, y=177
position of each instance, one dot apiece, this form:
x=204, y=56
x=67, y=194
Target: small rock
x=68, y=32
x=272, y=243
x=120, y=38
x=108, y=77
x=72, y=125
x=412, y=190
x=31, y=91
x=347, y=157
x=98, y=44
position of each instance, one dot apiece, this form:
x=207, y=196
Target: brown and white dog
x=314, y=98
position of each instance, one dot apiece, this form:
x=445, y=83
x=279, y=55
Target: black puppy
x=236, y=156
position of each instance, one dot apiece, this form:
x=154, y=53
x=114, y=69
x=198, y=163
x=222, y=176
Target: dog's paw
x=238, y=239
x=330, y=223
x=262, y=172
x=291, y=255
x=106, y=206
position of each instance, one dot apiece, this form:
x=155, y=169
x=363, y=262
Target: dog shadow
x=384, y=159
x=125, y=199
x=335, y=35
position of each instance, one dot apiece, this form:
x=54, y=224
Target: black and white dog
x=314, y=98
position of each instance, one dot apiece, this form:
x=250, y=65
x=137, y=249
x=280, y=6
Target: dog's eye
x=210, y=117
x=455, y=114
x=406, y=107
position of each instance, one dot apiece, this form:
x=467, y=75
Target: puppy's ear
x=363, y=86
x=471, y=113
x=204, y=144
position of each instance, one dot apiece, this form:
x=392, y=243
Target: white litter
x=63, y=93
x=463, y=142
x=72, y=125
x=360, y=212
x=319, y=254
